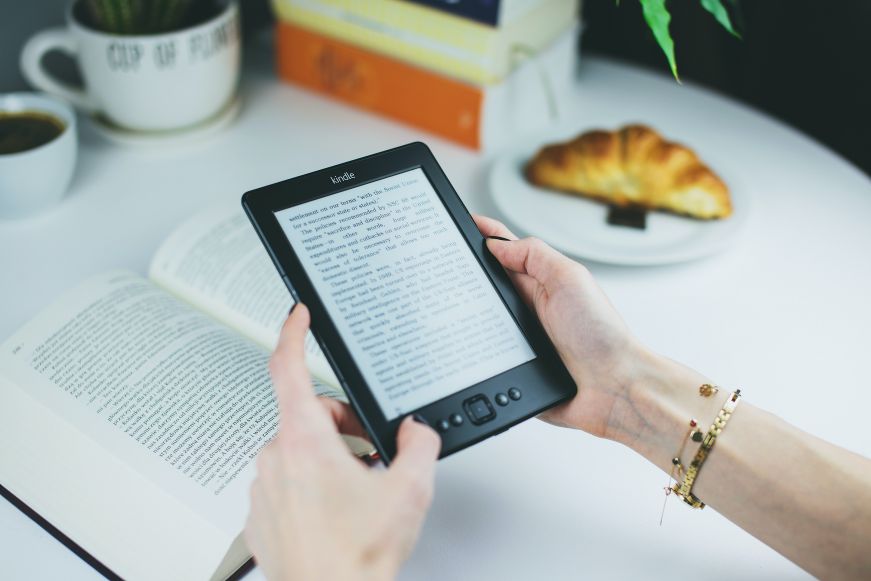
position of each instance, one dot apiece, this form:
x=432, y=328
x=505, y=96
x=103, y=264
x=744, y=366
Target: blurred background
x=802, y=61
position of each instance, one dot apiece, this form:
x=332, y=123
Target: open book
x=132, y=408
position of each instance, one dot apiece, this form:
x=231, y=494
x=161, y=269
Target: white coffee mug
x=35, y=179
x=155, y=82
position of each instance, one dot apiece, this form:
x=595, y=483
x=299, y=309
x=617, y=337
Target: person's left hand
x=316, y=511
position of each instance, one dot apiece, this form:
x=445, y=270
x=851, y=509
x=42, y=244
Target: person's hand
x=603, y=357
x=316, y=511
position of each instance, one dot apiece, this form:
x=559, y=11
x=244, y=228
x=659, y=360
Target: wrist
x=656, y=407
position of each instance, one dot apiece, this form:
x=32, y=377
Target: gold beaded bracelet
x=685, y=488
x=676, y=466
x=693, y=432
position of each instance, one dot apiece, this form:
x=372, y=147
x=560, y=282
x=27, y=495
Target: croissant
x=633, y=166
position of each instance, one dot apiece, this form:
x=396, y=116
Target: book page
x=184, y=400
x=216, y=262
x=132, y=526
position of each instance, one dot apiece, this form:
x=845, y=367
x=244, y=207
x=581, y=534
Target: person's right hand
x=603, y=357
x=316, y=511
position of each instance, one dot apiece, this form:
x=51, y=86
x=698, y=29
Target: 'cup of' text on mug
x=145, y=82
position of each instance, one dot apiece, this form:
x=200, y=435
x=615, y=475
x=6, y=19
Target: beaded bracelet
x=676, y=466
x=685, y=488
x=677, y=469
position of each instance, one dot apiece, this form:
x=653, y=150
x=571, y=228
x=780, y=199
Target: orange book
x=476, y=116
x=438, y=104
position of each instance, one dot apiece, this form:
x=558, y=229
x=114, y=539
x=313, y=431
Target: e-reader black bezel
x=543, y=382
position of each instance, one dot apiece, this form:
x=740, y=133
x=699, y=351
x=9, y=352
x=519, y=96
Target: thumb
x=418, y=448
x=290, y=376
x=528, y=256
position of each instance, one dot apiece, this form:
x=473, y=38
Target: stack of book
x=473, y=71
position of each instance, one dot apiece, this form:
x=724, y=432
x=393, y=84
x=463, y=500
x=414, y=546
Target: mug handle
x=36, y=74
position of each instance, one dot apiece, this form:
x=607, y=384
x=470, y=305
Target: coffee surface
x=24, y=130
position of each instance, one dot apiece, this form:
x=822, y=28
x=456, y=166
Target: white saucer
x=197, y=132
x=578, y=226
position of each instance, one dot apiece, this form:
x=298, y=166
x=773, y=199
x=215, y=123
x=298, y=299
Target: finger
x=526, y=287
x=290, y=376
x=418, y=448
x=344, y=418
x=528, y=256
x=490, y=227
x=522, y=282
x=303, y=422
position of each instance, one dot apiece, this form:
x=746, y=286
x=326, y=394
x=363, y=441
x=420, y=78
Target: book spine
x=426, y=37
x=377, y=83
x=460, y=62
x=483, y=11
x=420, y=21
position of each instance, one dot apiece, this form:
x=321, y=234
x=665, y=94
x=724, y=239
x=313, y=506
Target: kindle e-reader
x=413, y=313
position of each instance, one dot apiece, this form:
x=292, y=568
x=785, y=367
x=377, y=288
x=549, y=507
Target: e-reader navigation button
x=443, y=425
x=514, y=393
x=457, y=419
x=501, y=399
x=479, y=409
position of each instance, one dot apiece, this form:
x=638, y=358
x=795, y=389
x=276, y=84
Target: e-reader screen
x=419, y=315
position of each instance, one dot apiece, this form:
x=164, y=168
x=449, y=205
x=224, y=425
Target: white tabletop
x=783, y=314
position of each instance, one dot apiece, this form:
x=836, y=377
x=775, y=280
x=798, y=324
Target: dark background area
x=806, y=62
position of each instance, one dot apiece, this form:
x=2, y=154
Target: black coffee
x=23, y=130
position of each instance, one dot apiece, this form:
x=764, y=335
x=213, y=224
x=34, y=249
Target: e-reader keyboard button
x=443, y=425
x=479, y=409
x=514, y=393
x=501, y=399
x=457, y=419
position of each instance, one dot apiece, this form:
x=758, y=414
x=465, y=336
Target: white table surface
x=784, y=314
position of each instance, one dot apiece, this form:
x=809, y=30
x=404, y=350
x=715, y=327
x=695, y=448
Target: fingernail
x=499, y=238
x=420, y=419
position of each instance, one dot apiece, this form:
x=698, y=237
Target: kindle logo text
x=342, y=178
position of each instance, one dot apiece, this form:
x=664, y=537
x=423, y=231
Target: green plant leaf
x=719, y=11
x=658, y=19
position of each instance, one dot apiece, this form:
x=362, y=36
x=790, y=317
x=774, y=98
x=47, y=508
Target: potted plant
x=148, y=65
x=140, y=17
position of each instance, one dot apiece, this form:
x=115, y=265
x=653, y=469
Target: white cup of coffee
x=38, y=147
x=153, y=82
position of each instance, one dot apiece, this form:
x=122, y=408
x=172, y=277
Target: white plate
x=202, y=130
x=578, y=226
